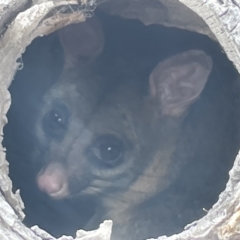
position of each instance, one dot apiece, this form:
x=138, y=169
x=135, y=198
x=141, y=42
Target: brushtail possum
x=110, y=132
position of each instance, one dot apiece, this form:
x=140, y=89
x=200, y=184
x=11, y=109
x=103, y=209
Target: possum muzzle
x=53, y=181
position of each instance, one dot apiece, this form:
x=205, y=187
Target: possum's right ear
x=82, y=42
x=177, y=82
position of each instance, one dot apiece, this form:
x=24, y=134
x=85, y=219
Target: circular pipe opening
x=133, y=56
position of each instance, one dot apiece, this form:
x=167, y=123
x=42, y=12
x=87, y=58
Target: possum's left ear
x=178, y=81
x=82, y=42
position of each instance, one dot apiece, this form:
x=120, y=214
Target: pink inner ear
x=82, y=40
x=178, y=81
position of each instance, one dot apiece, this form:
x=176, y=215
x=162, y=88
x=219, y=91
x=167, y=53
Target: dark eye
x=55, y=122
x=108, y=150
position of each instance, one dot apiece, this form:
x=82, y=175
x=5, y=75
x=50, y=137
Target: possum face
x=99, y=135
x=88, y=135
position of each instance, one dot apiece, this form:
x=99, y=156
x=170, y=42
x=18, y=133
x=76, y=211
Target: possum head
x=99, y=135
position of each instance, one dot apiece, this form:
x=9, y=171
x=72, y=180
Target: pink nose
x=53, y=181
x=49, y=183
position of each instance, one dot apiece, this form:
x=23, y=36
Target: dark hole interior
x=203, y=143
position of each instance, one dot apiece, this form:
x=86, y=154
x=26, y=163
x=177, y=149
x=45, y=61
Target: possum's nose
x=53, y=181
